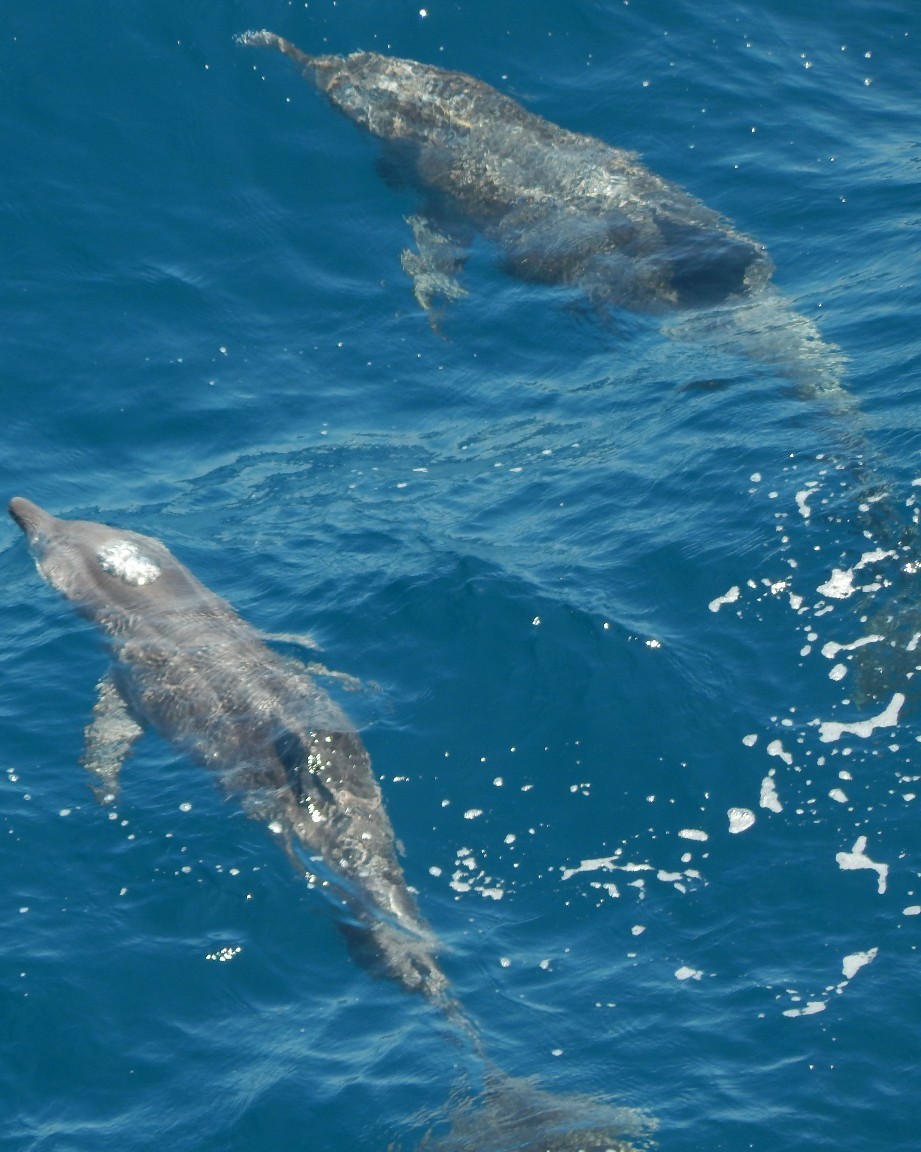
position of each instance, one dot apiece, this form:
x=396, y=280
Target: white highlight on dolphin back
x=123, y=559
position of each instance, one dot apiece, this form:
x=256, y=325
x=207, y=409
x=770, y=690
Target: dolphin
x=185, y=664
x=561, y=208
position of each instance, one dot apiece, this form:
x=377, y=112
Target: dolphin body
x=562, y=208
x=187, y=665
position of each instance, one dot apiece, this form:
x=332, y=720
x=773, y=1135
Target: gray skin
x=562, y=208
x=186, y=664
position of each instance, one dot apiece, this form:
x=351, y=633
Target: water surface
x=590, y=575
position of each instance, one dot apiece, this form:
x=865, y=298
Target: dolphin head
x=391, y=98
x=100, y=569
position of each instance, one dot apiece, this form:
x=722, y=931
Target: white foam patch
x=124, y=560
x=850, y=965
x=802, y=500
x=776, y=748
x=840, y=584
x=468, y=876
x=740, y=819
x=831, y=649
x=224, y=954
x=769, y=798
x=857, y=960
x=831, y=730
x=858, y=859
x=680, y=880
x=729, y=597
x=874, y=557
x=809, y=1009
x=599, y=864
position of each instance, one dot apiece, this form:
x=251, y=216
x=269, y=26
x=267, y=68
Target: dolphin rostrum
x=561, y=208
x=187, y=665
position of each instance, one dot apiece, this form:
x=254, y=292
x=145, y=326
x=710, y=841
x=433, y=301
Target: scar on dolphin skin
x=561, y=208
x=185, y=664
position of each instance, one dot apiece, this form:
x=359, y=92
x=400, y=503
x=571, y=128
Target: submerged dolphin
x=187, y=665
x=562, y=208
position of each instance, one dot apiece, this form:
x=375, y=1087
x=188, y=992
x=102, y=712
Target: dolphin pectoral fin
x=435, y=265
x=109, y=738
x=300, y=639
x=349, y=683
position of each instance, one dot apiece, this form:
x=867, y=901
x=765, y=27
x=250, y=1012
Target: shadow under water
x=510, y=1114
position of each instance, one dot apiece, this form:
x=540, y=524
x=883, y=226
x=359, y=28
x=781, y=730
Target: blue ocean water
x=635, y=616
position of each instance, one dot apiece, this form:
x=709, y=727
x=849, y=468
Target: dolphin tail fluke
x=394, y=952
x=767, y=328
x=400, y=950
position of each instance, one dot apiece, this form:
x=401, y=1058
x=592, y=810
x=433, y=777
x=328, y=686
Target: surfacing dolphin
x=187, y=665
x=562, y=208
